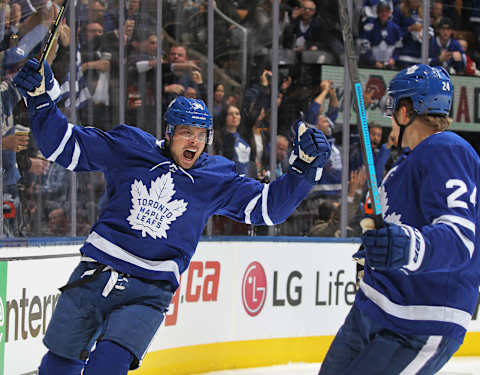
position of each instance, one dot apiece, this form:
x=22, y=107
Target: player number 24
x=455, y=199
x=446, y=86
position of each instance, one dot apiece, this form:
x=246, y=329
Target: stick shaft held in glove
x=53, y=33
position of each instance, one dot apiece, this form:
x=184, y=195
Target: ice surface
x=456, y=366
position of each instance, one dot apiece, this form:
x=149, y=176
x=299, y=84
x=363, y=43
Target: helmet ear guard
x=190, y=112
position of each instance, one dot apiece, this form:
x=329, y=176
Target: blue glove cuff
x=40, y=102
x=310, y=173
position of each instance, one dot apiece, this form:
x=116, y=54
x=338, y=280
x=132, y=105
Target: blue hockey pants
x=363, y=347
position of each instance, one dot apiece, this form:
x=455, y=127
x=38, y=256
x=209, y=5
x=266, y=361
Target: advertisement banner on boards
x=466, y=95
x=31, y=295
x=250, y=291
x=232, y=291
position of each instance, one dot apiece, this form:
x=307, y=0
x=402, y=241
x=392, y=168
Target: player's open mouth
x=188, y=154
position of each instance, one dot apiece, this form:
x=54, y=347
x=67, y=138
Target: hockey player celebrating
x=160, y=196
x=422, y=269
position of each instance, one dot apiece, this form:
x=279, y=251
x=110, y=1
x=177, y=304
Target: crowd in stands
x=37, y=194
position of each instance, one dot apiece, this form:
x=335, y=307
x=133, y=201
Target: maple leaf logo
x=153, y=211
x=243, y=152
x=392, y=217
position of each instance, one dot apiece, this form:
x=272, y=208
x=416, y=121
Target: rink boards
x=242, y=303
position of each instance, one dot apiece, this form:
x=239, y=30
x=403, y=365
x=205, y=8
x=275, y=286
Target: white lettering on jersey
x=453, y=198
x=153, y=211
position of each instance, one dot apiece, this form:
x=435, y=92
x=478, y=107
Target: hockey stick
x=48, y=45
x=367, y=153
x=52, y=33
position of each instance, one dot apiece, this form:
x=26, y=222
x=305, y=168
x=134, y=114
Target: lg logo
x=254, y=289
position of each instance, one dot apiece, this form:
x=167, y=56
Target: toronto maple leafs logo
x=243, y=152
x=389, y=217
x=153, y=211
x=197, y=106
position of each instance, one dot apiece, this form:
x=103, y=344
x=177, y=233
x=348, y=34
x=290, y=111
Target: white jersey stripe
x=75, y=157
x=265, y=216
x=451, y=221
x=455, y=220
x=250, y=206
x=115, y=251
x=416, y=312
x=424, y=355
x=64, y=141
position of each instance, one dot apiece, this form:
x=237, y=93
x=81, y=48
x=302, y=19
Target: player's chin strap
x=402, y=129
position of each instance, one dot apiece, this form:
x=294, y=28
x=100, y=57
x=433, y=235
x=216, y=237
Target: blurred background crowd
x=109, y=55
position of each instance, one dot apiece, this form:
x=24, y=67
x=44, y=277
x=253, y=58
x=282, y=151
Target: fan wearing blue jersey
x=422, y=273
x=160, y=196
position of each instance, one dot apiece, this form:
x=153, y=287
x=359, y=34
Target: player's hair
x=439, y=123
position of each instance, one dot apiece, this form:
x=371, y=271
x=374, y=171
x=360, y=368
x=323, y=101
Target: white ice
x=456, y=366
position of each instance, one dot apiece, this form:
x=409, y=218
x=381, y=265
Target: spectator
x=436, y=13
x=330, y=182
x=180, y=73
x=445, y=50
x=25, y=40
x=12, y=143
x=454, y=9
x=96, y=12
x=370, y=8
x=378, y=39
x=305, y=32
x=260, y=28
x=111, y=44
x=58, y=222
x=381, y=152
x=327, y=12
x=256, y=98
x=375, y=133
x=96, y=71
x=142, y=18
x=408, y=16
x=11, y=15
x=218, y=99
x=470, y=14
x=141, y=81
x=470, y=65
x=282, y=148
x=328, y=222
x=231, y=144
x=259, y=138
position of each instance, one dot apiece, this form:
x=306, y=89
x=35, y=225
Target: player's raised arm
x=77, y=148
x=252, y=202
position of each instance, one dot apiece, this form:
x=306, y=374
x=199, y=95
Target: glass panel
x=37, y=195
x=33, y=188
x=310, y=40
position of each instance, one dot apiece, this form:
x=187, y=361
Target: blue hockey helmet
x=429, y=88
x=191, y=112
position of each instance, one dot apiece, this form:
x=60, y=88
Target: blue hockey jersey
x=434, y=190
x=156, y=210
